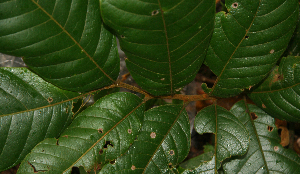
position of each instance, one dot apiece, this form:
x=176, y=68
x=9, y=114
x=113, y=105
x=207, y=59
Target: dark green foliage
x=248, y=41
x=164, y=42
x=71, y=53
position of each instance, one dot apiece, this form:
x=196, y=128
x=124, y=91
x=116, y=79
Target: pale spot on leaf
x=50, y=99
x=235, y=5
x=132, y=167
x=153, y=135
x=154, y=12
x=129, y=131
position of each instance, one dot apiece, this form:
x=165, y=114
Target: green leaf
x=231, y=137
x=248, y=41
x=97, y=135
x=294, y=47
x=165, y=41
x=265, y=154
x=279, y=94
x=194, y=163
x=64, y=42
x=163, y=143
x=207, y=167
x=31, y=110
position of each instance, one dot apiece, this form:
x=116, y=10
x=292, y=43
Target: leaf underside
x=64, y=42
x=163, y=143
x=265, y=154
x=97, y=135
x=165, y=41
x=31, y=110
x=231, y=137
x=248, y=41
x=279, y=94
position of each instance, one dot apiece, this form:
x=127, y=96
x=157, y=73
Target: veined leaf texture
x=64, y=42
x=248, y=41
x=97, y=135
x=31, y=110
x=265, y=154
x=279, y=94
x=165, y=41
x=162, y=144
x=72, y=45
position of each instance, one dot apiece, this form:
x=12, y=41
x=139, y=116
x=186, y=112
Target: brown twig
x=125, y=76
x=188, y=98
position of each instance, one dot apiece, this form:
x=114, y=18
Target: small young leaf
x=194, y=164
x=231, y=137
x=64, y=42
x=248, y=41
x=97, y=135
x=265, y=154
x=207, y=167
x=31, y=110
x=165, y=41
x=163, y=143
x=279, y=94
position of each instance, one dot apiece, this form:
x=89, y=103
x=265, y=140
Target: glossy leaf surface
x=163, y=143
x=165, y=41
x=62, y=41
x=265, y=154
x=248, y=41
x=31, y=110
x=279, y=94
x=231, y=137
x=99, y=134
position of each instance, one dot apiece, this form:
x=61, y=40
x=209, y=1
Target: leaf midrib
x=50, y=105
x=247, y=30
x=104, y=135
x=256, y=134
x=175, y=121
x=73, y=39
x=168, y=48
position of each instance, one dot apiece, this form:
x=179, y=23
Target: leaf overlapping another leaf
x=163, y=143
x=64, y=42
x=97, y=135
x=204, y=163
x=248, y=41
x=31, y=110
x=165, y=41
x=231, y=137
x=207, y=167
x=265, y=154
x=279, y=94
